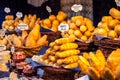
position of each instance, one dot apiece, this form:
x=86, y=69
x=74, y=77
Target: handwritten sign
x=76, y=7
x=2, y=32
x=22, y=27
x=7, y=9
x=48, y=9
x=19, y=14
x=117, y=3
x=12, y=49
x=2, y=47
x=63, y=27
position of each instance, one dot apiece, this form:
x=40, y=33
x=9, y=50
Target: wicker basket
x=83, y=46
x=52, y=36
x=107, y=45
x=51, y=73
x=29, y=51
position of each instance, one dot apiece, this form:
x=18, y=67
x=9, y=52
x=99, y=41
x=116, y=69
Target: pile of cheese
x=109, y=25
x=80, y=28
x=62, y=52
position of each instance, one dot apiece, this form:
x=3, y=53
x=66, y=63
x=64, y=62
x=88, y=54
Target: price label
x=77, y=8
x=22, y=27
x=7, y=10
x=63, y=27
x=48, y=9
x=19, y=14
x=117, y=2
x=12, y=49
x=2, y=32
x=2, y=47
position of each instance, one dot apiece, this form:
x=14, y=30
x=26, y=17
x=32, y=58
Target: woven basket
x=52, y=36
x=83, y=46
x=29, y=51
x=51, y=73
x=107, y=45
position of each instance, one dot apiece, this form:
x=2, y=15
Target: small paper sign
x=12, y=49
x=2, y=47
x=48, y=9
x=63, y=27
x=77, y=8
x=117, y=2
x=19, y=14
x=7, y=10
x=22, y=27
x=2, y=32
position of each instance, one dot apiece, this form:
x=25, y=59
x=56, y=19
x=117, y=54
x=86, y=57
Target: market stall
x=60, y=46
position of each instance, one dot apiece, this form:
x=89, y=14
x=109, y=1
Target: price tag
x=86, y=77
x=63, y=27
x=117, y=2
x=48, y=9
x=22, y=27
x=19, y=14
x=2, y=32
x=12, y=49
x=7, y=10
x=2, y=47
x=77, y=8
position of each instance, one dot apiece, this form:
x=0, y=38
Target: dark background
x=100, y=8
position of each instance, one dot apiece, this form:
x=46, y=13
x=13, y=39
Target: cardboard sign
x=63, y=27
x=76, y=7
x=22, y=27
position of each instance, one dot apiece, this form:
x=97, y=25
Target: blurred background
x=99, y=8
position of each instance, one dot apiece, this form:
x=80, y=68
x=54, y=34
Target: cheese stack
x=62, y=52
x=52, y=22
x=80, y=28
x=98, y=68
x=109, y=26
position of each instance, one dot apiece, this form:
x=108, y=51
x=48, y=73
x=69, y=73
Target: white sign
x=2, y=47
x=22, y=27
x=48, y=9
x=117, y=2
x=12, y=49
x=7, y=10
x=19, y=14
x=2, y=32
x=63, y=27
x=77, y=8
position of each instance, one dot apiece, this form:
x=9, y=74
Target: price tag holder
x=22, y=27
x=86, y=77
x=77, y=7
x=2, y=47
x=63, y=27
x=12, y=49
